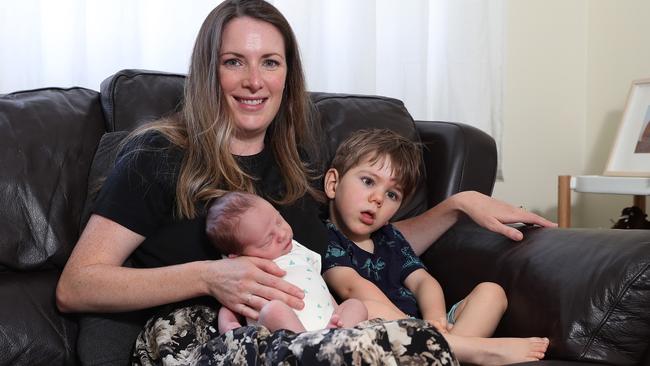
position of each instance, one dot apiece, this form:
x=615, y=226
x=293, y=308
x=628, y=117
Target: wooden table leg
x=639, y=201
x=564, y=200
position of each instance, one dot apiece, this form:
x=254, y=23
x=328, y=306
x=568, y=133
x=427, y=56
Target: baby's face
x=263, y=231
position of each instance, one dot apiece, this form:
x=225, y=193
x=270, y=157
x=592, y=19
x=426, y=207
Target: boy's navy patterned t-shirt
x=392, y=261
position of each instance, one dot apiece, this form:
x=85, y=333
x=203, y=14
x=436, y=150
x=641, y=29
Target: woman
x=245, y=126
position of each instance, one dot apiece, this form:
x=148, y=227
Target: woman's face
x=252, y=70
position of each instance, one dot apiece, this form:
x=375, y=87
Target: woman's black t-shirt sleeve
x=139, y=191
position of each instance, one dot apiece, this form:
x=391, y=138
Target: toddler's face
x=264, y=232
x=365, y=198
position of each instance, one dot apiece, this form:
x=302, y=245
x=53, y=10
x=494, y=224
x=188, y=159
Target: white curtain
x=81, y=42
x=442, y=58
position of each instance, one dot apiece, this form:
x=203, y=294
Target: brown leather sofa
x=587, y=290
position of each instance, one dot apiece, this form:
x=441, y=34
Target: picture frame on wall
x=630, y=155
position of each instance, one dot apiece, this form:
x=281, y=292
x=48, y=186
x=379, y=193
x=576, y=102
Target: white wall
x=569, y=65
x=619, y=52
x=544, y=100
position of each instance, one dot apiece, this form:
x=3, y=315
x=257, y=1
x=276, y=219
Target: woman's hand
x=246, y=284
x=423, y=230
x=494, y=214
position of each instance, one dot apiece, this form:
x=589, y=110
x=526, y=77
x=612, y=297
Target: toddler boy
x=372, y=173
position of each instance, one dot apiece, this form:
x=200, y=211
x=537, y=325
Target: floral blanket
x=189, y=336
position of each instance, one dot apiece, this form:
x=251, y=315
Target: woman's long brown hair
x=204, y=127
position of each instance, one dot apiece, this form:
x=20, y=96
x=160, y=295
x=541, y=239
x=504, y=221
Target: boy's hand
x=441, y=325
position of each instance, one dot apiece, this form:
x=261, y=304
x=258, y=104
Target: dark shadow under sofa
x=587, y=290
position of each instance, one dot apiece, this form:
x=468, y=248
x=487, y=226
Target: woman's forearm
x=422, y=230
x=94, y=280
x=109, y=288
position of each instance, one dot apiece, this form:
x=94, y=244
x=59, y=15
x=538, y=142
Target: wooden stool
x=636, y=186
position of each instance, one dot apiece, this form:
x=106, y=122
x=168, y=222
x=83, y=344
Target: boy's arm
x=428, y=293
x=347, y=283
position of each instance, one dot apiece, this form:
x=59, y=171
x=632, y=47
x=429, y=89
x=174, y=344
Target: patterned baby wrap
x=189, y=336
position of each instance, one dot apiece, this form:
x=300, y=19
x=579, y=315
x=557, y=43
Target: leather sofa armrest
x=588, y=290
x=458, y=157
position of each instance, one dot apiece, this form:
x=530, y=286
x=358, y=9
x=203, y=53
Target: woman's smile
x=251, y=103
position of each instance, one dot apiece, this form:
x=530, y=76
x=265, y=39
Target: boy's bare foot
x=497, y=351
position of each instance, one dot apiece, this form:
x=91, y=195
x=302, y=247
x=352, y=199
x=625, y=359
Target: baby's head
x=240, y=223
x=372, y=173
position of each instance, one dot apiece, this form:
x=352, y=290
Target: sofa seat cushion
x=32, y=331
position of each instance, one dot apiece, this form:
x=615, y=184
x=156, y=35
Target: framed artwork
x=630, y=155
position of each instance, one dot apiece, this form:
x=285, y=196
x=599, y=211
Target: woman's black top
x=139, y=194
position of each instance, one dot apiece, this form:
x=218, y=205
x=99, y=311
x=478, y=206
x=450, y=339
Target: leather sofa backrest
x=47, y=141
x=131, y=98
x=458, y=158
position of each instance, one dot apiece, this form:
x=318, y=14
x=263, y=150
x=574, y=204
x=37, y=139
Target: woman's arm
x=429, y=295
x=347, y=283
x=94, y=280
x=422, y=230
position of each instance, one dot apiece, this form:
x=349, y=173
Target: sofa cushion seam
x=611, y=310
